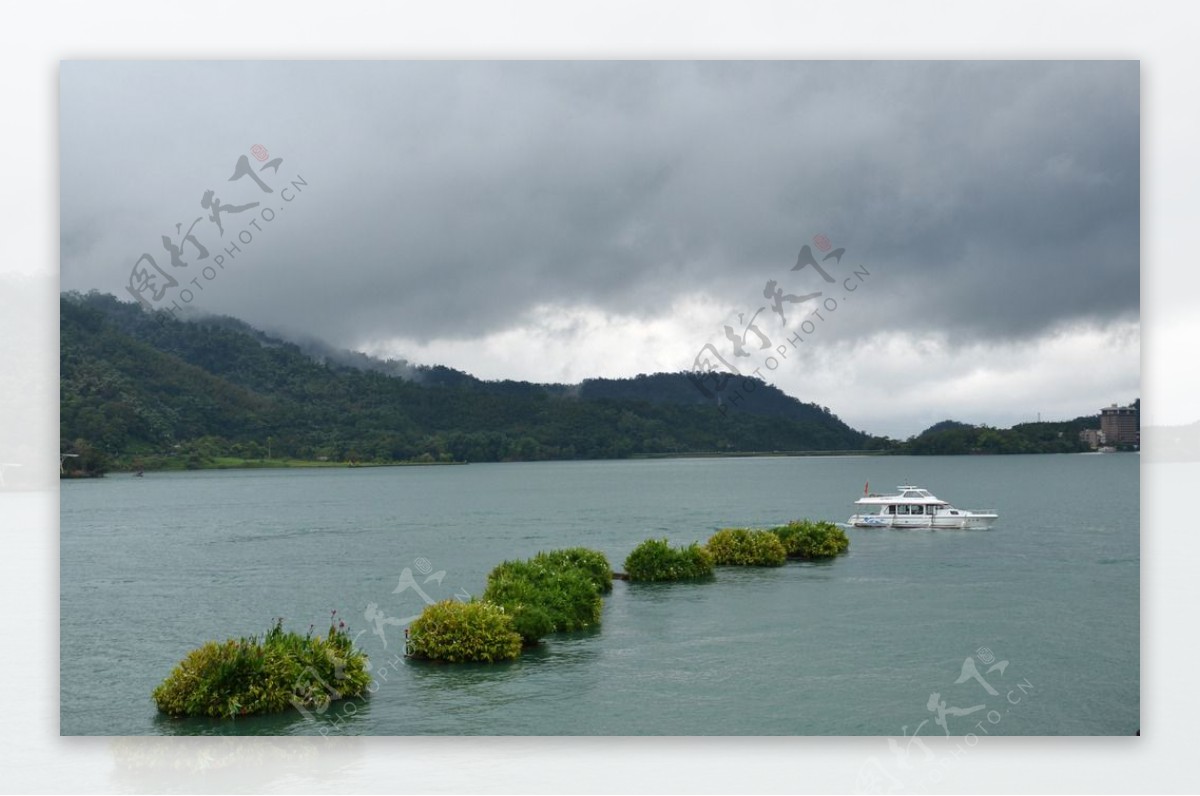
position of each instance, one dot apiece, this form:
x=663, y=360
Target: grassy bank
x=177, y=464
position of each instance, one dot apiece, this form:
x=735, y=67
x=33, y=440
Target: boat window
x=918, y=509
x=891, y=509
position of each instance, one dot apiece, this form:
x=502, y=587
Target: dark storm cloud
x=996, y=200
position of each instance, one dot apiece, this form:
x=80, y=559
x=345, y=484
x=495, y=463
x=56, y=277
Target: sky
x=973, y=226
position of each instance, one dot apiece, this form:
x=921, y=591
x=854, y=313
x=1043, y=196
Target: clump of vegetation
x=457, y=632
x=250, y=675
x=746, y=548
x=549, y=593
x=83, y=460
x=592, y=562
x=656, y=560
x=808, y=539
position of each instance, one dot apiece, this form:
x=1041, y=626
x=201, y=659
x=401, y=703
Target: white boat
x=914, y=507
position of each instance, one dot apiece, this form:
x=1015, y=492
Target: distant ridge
x=952, y=437
x=167, y=392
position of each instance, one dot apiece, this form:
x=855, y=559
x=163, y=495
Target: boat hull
x=958, y=521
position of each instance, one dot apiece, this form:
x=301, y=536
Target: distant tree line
x=953, y=438
x=140, y=390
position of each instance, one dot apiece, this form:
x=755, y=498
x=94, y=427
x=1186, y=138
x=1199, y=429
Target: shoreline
x=264, y=464
x=226, y=463
x=230, y=463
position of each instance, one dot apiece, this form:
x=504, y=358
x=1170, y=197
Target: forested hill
x=142, y=389
x=951, y=438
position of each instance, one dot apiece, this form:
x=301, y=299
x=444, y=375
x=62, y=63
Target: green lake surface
x=1044, y=606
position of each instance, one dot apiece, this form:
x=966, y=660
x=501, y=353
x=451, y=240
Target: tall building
x=1121, y=425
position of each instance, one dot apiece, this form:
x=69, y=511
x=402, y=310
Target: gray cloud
x=995, y=201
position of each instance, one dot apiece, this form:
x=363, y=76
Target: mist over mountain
x=153, y=390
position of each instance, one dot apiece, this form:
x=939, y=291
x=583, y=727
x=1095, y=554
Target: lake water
x=1044, y=606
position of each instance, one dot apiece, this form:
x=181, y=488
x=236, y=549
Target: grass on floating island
x=745, y=547
x=810, y=539
x=251, y=675
x=524, y=601
x=654, y=560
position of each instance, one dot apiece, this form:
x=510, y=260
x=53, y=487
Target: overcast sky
x=553, y=221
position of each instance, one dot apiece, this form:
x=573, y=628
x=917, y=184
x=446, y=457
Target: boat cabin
x=923, y=508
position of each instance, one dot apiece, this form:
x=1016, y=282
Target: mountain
x=945, y=425
x=144, y=389
x=951, y=437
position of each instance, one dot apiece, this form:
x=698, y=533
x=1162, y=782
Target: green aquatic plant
x=592, y=562
x=655, y=560
x=746, y=548
x=810, y=539
x=549, y=593
x=458, y=632
x=251, y=675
